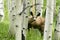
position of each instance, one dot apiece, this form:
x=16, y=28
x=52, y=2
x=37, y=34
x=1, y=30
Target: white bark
x=1, y=10
x=12, y=13
x=25, y=15
x=39, y=7
x=57, y=29
x=19, y=20
x=18, y=25
x=15, y=28
x=49, y=20
x=33, y=8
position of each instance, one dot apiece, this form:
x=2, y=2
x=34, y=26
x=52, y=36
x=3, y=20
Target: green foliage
x=34, y=34
x=4, y=32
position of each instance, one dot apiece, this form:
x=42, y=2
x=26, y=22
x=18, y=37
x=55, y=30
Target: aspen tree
x=26, y=3
x=19, y=19
x=57, y=28
x=39, y=7
x=1, y=10
x=49, y=20
x=12, y=13
x=15, y=7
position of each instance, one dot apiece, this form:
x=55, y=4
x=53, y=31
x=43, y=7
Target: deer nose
x=34, y=19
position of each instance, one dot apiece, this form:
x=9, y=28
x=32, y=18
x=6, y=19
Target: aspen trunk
x=39, y=7
x=12, y=13
x=49, y=20
x=33, y=8
x=1, y=10
x=25, y=15
x=15, y=7
x=19, y=20
x=57, y=28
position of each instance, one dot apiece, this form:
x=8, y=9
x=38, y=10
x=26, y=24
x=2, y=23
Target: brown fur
x=38, y=23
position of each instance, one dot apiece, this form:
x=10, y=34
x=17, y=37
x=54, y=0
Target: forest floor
x=31, y=35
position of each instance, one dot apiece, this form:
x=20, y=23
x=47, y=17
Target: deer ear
x=38, y=14
x=31, y=13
